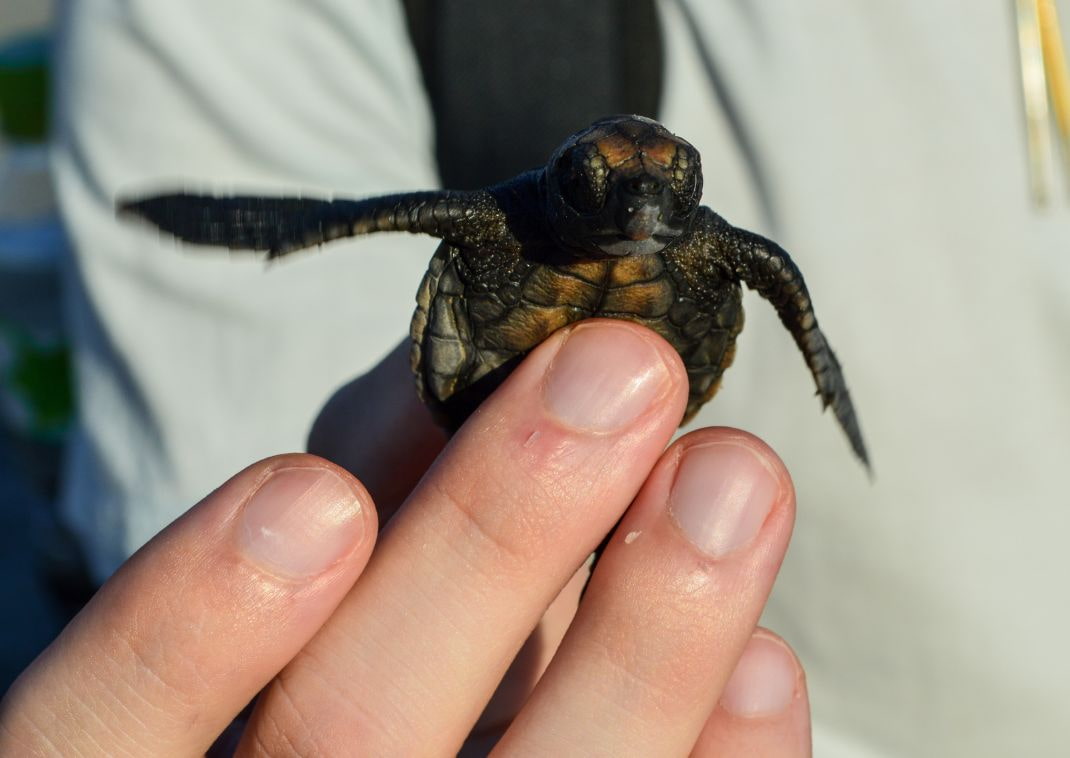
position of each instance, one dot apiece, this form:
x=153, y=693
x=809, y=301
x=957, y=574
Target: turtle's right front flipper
x=282, y=225
x=767, y=269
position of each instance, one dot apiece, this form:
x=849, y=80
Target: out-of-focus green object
x=37, y=391
x=24, y=89
x=35, y=387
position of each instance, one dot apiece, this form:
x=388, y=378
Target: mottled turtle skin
x=610, y=227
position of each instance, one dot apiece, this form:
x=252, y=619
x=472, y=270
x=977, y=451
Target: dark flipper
x=282, y=225
x=766, y=268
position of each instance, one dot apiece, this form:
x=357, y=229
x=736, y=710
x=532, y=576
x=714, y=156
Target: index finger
x=498, y=526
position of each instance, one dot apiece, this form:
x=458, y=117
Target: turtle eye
x=686, y=181
x=582, y=177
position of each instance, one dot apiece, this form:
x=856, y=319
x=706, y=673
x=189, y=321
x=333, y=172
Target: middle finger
x=670, y=608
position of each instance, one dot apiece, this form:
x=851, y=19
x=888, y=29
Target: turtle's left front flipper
x=281, y=225
x=766, y=268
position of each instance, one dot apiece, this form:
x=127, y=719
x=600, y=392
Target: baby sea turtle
x=610, y=227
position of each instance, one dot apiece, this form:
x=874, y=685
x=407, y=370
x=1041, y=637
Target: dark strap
x=509, y=80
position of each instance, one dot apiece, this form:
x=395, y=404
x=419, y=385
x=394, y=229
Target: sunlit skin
x=429, y=605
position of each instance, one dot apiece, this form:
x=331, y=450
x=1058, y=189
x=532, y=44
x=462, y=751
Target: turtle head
x=623, y=186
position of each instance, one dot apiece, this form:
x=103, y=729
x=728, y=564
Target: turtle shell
x=472, y=324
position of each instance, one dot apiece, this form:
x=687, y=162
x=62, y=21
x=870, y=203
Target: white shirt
x=929, y=607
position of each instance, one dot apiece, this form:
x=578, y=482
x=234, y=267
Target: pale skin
x=455, y=627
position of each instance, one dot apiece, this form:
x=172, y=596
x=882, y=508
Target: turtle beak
x=639, y=206
x=636, y=219
x=639, y=222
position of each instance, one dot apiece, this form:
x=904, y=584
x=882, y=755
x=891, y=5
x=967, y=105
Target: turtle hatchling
x=611, y=226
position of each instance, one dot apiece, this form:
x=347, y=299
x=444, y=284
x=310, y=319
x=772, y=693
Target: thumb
x=200, y=619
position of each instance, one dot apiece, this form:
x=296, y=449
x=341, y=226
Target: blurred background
x=911, y=156
x=34, y=381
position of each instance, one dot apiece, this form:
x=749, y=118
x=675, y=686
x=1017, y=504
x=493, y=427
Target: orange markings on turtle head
x=659, y=150
x=617, y=150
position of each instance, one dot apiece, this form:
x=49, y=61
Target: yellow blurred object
x=1046, y=91
x=1051, y=39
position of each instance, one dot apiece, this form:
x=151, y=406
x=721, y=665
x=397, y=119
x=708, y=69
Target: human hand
x=270, y=584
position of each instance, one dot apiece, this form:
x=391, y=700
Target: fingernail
x=603, y=378
x=301, y=522
x=722, y=495
x=764, y=681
